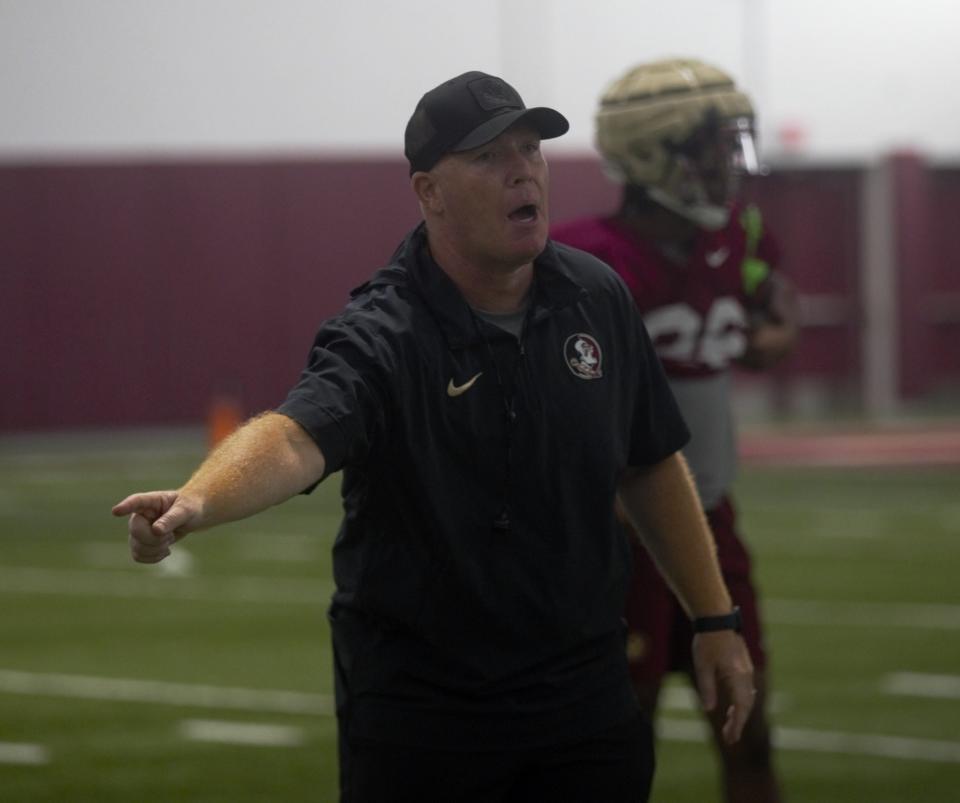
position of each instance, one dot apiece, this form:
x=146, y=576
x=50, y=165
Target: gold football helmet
x=682, y=131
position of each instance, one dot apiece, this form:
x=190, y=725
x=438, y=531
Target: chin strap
x=706, y=216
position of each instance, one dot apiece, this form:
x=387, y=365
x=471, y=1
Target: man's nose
x=520, y=168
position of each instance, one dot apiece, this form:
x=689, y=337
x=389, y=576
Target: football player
x=679, y=135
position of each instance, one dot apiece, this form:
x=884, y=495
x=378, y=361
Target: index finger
x=142, y=503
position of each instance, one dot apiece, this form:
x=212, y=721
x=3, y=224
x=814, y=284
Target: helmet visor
x=741, y=146
x=715, y=159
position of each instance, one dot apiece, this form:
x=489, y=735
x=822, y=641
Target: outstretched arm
x=662, y=502
x=265, y=462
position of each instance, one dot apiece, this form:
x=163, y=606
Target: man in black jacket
x=487, y=396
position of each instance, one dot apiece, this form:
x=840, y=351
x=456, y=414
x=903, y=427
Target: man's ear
x=427, y=190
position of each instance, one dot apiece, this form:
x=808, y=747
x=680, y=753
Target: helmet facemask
x=702, y=175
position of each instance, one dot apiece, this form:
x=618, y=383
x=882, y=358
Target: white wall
x=851, y=78
x=866, y=74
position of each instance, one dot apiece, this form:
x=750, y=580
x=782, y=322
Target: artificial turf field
x=209, y=680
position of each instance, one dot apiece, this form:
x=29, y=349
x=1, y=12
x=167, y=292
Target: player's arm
x=774, y=323
x=265, y=462
x=662, y=502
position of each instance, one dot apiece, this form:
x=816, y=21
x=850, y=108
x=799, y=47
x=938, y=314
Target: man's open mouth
x=524, y=214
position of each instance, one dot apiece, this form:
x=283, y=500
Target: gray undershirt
x=512, y=322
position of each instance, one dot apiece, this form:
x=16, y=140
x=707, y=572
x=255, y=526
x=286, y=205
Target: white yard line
x=684, y=698
x=280, y=548
x=23, y=753
x=142, y=582
x=154, y=691
x=261, y=548
x=287, y=702
x=245, y=733
x=862, y=614
x=678, y=698
x=107, y=555
x=834, y=742
x=917, y=684
x=867, y=744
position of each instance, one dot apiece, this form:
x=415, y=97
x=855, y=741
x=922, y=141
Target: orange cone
x=225, y=417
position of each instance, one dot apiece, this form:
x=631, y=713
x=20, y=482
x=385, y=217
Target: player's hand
x=158, y=519
x=774, y=326
x=767, y=344
x=723, y=668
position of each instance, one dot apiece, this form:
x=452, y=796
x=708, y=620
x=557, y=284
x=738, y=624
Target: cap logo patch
x=491, y=93
x=583, y=356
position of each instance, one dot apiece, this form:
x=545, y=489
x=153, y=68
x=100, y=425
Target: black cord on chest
x=508, y=394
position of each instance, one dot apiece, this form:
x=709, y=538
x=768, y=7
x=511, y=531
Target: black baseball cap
x=466, y=112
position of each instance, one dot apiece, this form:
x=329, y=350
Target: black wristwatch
x=728, y=621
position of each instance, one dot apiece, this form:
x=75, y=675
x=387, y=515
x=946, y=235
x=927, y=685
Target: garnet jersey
x=696, y=308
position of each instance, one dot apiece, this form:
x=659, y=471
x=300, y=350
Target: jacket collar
x=554, y=287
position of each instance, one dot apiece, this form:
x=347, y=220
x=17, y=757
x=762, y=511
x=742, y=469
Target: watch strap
x=727, y=621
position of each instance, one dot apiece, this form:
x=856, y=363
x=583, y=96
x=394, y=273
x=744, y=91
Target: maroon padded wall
x=940, y=303
x=133, y=294
x=136, y=293
x=814, y=215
